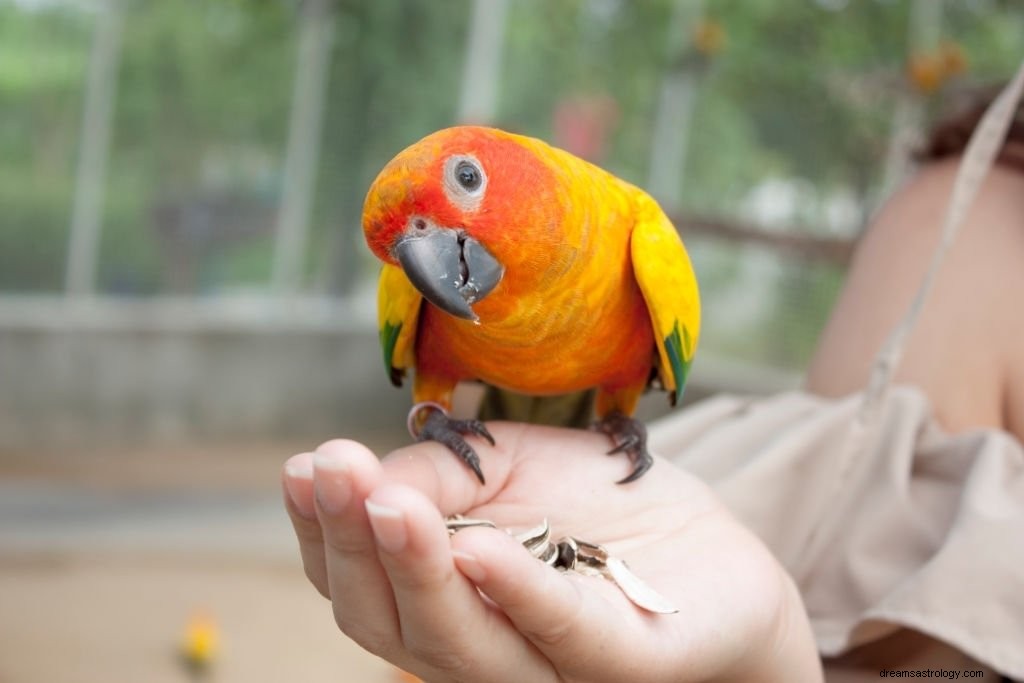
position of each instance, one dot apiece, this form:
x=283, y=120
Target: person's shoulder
x=964, y=352
x=914, y=216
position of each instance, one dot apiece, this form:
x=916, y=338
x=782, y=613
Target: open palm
x=403, y=590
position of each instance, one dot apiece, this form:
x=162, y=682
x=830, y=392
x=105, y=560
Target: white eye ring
x=464, y=181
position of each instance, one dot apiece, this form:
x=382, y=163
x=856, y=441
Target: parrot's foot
x=437, y=426
x=630, y=437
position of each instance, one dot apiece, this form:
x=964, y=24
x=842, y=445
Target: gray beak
x=450, y=269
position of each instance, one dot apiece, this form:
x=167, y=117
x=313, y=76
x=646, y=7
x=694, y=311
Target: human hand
x=373, y=540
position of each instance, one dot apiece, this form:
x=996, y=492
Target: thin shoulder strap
x=978, y=158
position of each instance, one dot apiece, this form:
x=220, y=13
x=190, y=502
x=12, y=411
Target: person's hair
x=949, y=136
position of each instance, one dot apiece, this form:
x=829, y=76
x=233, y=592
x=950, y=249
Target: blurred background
x=186, y=299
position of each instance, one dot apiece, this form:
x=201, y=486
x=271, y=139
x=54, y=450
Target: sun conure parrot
x=517, y=264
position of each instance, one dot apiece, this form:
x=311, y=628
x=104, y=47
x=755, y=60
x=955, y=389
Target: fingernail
x=298, y=478
x=388, y=526
x=470, y=566
x=331, y=482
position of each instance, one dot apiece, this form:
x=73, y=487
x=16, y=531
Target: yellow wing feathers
x=669, y=286
x=398, y=311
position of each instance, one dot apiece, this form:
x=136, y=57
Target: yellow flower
x=926, y=72
x=708, y=37
x=929, y=71
x=200, y=641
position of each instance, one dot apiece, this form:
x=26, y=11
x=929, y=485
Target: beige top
x=907, y=543
x=926, y=531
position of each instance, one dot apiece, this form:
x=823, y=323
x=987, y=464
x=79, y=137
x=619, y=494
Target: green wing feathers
x=398, y=311
x=666, y=278
x=679, y=349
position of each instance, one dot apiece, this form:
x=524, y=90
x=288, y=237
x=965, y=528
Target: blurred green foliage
x=802, y=90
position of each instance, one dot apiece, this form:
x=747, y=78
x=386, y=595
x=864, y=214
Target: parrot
x=514, y=263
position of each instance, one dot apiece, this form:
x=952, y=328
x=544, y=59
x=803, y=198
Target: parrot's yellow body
x=542, y=274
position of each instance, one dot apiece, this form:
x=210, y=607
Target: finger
x=344, y=473
x=297, y=482
x=445, y=480
x=563, y=614
x=445, y=625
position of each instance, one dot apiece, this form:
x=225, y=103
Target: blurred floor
x=105, y=556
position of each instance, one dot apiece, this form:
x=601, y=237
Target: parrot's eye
x=468, y=175
x=464, y=181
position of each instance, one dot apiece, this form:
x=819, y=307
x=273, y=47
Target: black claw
x=621, y=448
x=448, y=432
x=630, y=437
x=477, y=427
x=629, y=442
x=643, y=463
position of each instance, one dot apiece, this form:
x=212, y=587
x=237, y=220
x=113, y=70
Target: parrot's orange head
x=466, y=212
